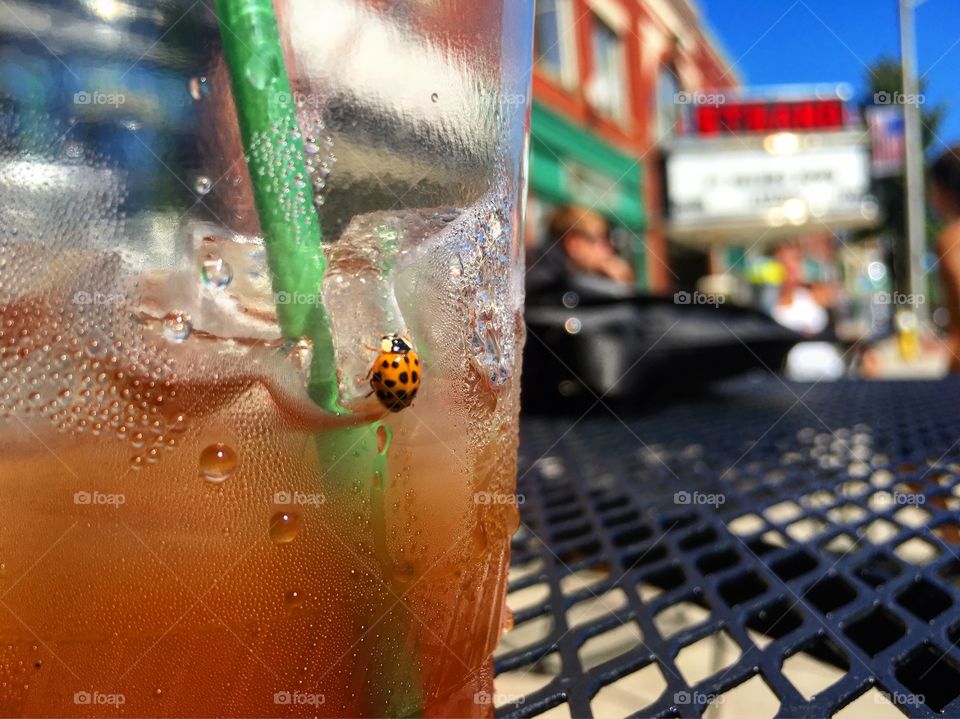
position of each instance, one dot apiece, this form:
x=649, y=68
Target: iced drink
x=186, y=531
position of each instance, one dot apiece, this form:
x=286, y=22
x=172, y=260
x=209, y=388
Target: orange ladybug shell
x=395, y=375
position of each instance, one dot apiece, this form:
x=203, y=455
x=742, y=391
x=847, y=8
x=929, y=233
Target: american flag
x=886, y=133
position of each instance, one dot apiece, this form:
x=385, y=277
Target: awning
x=572, y=165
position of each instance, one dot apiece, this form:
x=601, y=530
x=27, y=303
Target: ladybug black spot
x=403, y=378
x=416, y=361
x=414, y=377
x=414, y=393
x=400, y=393
x=376, y=376
x=406, y=360
x=395, y=364
x=385, y=364
x=381, y=394
x=389, y=383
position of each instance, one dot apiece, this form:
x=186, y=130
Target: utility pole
x=916, y=204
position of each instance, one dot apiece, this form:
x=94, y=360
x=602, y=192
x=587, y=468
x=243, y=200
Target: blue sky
x=809, y=41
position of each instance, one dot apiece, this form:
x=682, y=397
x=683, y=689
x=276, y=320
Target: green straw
x=274, y=150
x=292, y=235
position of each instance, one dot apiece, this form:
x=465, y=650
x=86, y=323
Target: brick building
x=611, y=83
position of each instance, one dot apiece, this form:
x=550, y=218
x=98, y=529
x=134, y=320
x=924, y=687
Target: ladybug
x=395, y=375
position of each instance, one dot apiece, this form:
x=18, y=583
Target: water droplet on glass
x=572, y=326
x=284, y=526
x=199, y=87
x=383, y=438
x=434, y=97
x=176, y=326
x=403, y=572
x=293, y=599
x=217, y=462
x=202, y=185
x=216, y=272
x=310, y=146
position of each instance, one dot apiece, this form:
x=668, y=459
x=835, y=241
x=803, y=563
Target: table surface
x=796, y=546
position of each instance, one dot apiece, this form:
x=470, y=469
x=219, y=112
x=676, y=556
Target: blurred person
x=797, y=308
x=944, y=196
x=578, y=243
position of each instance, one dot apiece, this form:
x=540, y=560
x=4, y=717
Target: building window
x=553, y=40
x=671, y=110
x=607, y=90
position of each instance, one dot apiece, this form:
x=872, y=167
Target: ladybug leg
x=369, y=348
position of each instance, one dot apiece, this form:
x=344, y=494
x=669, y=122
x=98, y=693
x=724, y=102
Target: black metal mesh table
x=795, y=520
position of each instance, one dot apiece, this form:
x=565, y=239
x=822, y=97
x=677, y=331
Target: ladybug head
x=394, y=343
